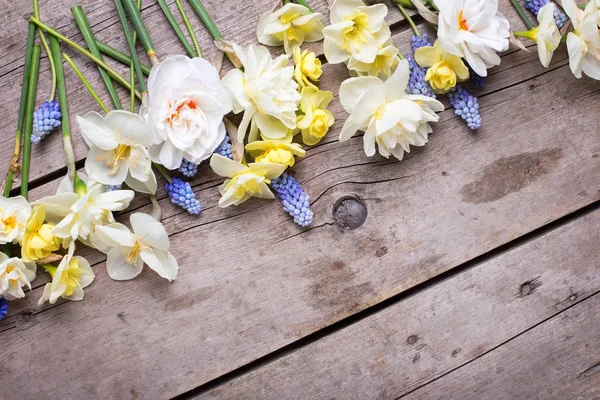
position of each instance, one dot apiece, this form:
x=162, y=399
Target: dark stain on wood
x=412, y=339
x=455, y=352
x=382, y=251
x=350, y=212
x=529, y=287
x=338, y=264
x=509, y=175
x=416, y=358
x=25, y=319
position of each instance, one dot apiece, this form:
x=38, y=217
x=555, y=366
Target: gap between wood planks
x=361, y=315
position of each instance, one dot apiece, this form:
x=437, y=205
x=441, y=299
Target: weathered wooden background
x=476, y=274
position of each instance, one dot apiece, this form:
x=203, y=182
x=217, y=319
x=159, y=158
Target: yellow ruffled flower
x=276, y=151
x=445, y=69
x=308, y=68
x=38, y=240
x=317, y=120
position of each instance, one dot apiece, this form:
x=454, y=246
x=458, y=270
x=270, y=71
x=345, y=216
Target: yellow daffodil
x=445, y=69
x=317, y=120
x=276, y=151
x=308, y=68
x=38, y=240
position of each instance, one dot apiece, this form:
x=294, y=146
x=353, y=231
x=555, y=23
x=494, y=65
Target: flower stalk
x=408, y=18
x=31, y=93
x=188, y=26
x=178, y=32
x=522, y=14
x=138, y=23
x=85, y=82
x=131, y=39
x=212, y=28
x=163, y=172
x=119, y=56
x=36, y=12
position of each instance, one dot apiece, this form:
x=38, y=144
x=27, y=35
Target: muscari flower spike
x=224, y=148
x=465, y=105
x=294, y=199
x=535, y=5
x=417, y=83
x=45, y=119
x=478, y=81
x=181, y=194
x=111, y=188
x=188, y=168
x=3, y=308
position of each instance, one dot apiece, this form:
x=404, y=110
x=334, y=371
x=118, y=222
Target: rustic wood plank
x=424, y=337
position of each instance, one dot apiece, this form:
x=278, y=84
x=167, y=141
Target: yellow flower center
x=356, y=33
x=71, y=277
x=441, y=77
x=134, y=253
x=277, y=156
x=320, y=125
x=462, y=22
x=40, y=242
x=113, y=159
x=10, y=223
x=247, y=185
x=380, y=111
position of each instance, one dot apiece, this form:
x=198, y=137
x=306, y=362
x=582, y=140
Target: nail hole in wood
x=349, y=212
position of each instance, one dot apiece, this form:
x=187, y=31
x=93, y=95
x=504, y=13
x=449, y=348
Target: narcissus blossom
x=39, y=240
x=583, y=43
x=444, y=69
x=317, y=119
x=307, y=68
x=282, y=151
x=14, y=274
x=14, y=213
x=385, y=62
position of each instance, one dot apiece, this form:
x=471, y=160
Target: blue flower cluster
x=188, y=168
x=3, y=308
x=535, y=5
x=478, y=81
x=417, y=83
x=294, y=199
x=224, y=148
x=419, y=41
x=465, y=105
x=111, y=188
x=45, y=119
x=181, y=194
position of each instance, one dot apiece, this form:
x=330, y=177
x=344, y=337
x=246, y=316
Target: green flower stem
x=88, y=36
x=134, y=59
x=119, y=56
x=156, y=210
x=305, y=4
x=163, y=172
x=517, y=6
x=206, y=19
x=13, y=166
x=188, y=26
x=405, y=3
x=178, y=32
x=408, y=18
x=138, y=23
x=31, y=93
x=432, y=4
x=36, y=12
x=85, y=83
x=62, y=99
x=114, y=74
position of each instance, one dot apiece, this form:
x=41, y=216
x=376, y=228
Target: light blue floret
x=294, y=199
x=45, y=119
x=181, y=194
x=188, y=168
x=465, y=105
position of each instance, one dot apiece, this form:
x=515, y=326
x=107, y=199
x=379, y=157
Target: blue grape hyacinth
x=3, y=308
x=224, y=148
x=478, y=81
x=45, y=119
x=465, y=105
x=112, y=188
x=294, y=199
x=535, y=5
x=181, y=194
x=417, y=83
x=188, y=168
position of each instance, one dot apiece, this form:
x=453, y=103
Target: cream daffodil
x=317, y=119
x=14, y=274
x=473, y=29
x=546, y=34
x=149, y=243
x=282, y=152
x=390, y=118
x=265, y=91
x=354, y=31
x=118, y=149
x=444, y=69
x=307, y=68
x=72, y=275
x=583, y=43
x=291, y=26
x=385, y=61
x=38, y=241
x=244, y=181
x=14, y=213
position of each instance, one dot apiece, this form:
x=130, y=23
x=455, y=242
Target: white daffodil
x=118, y=149
x=385, y=61
x=14, y=213
x=583, y=43
x=68, y=279
x=355, y=31
x=14, y=274
x=77, y=211
x=547, y=35
x=291, y=26
x=475, y=30
x=187, y=103
x=149, y=243
x=244, y=181
x=266, y=91
x=390, y=117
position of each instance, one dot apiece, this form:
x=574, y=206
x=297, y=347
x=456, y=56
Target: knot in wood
x=349, y=212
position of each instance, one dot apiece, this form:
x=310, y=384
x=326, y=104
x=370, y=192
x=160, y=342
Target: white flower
x=149, y=243
x=390, y=117
x=187, y=103
x=14, y=274
x=265, y=91
x=475, y=30
x=68, y=279
x=547, y=34
x=14, y=213
x=583, y=43
x=291, y=25
x=385, y=61
x=355, y=31
x=244, y=181
x=118, y=149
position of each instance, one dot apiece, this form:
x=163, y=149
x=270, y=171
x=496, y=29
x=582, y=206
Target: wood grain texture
x=413, y=342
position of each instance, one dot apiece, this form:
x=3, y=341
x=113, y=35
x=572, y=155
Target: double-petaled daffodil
x=385, y=61
x=475, y=30
x=265, y=91
x=388, y=116
x=14, y=274
x=149, y=243
x=354, y=31
x=39, y=240
x=307, y=68
x=68, y=279
x=291, y=26
x=444, y=69
x=583, y=43
x=118, y=149
x=14, y=213
x=244, y=181
x=546, y=34
x=282, y=151
x=317, y=119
